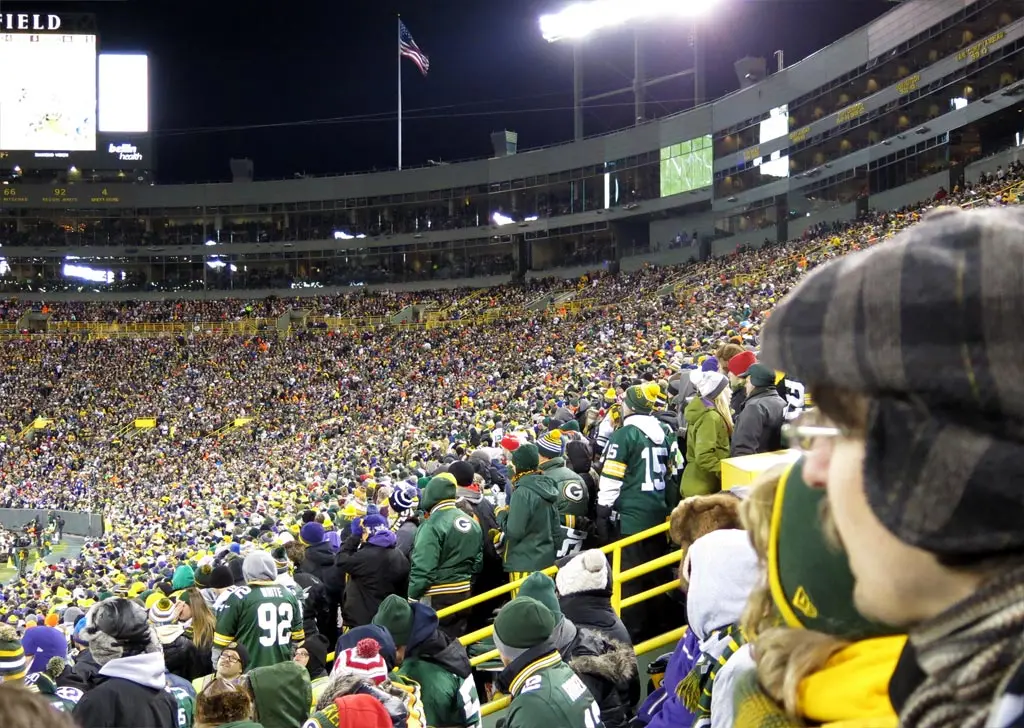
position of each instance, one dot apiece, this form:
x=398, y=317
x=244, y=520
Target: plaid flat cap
x=930, y=326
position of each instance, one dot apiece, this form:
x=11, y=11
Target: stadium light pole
x=579, y=20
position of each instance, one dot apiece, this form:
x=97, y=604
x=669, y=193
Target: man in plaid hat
x=912, y=351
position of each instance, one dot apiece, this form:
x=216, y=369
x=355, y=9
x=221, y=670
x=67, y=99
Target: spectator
x=131, y=688
x=573, y=495
x=266, y=617
x=759, y=426
x=22, y=709
x=922, y=452
x=557, y=696
x=529, y=525
x=427, y=656
x=447, y=554
x=375, y=569
x=707, y=435
x=607, y=668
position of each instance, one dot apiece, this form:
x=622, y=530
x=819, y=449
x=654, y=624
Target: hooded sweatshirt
x=129, y=691
x=283, y=694
x=441, y=668
x=722, y=569
x=531, y=524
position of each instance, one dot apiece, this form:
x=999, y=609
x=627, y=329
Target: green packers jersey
x=186, y=706
x=264, y=617
x=640, y=462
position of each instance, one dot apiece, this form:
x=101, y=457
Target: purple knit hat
x=709, y=365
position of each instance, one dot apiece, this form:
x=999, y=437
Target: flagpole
x=399, y=92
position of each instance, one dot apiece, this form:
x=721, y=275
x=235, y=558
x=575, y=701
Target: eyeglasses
x=230, y=658
x=809, y=426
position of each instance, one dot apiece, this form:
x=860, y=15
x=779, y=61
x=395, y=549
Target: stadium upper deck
x=925, y=88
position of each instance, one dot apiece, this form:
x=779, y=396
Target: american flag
x=407, y=47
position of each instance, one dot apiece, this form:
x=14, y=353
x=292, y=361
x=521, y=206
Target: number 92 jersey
x=265, y=617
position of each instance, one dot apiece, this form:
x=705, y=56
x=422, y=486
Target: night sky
x=310, y=86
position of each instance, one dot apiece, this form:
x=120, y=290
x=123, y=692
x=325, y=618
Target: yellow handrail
x=619, y=577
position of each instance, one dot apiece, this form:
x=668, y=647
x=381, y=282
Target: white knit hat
x=586, y=572
x=708, y=384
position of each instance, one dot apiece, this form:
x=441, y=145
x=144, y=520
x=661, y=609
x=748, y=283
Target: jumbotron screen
x=686, y=166
x=47, y=92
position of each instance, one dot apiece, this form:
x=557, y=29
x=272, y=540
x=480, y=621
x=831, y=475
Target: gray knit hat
x=930, y=327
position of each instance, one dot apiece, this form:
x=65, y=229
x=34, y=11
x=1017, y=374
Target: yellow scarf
x=852, y=690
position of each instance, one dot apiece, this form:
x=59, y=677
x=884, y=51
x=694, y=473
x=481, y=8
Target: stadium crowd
x=387, y=474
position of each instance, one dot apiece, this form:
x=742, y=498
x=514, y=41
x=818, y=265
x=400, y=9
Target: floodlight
x=583, y=18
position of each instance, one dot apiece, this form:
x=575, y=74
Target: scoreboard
x=63, y=104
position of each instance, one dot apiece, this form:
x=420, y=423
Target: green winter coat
x=283, y=694
x=446, y=683
x=573, y=499
x=546, y=693
x=707, y=444
x=447, y=553
x=531, y=525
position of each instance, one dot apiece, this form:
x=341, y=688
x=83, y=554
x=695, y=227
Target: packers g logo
x=573, y=492
x=463, y=524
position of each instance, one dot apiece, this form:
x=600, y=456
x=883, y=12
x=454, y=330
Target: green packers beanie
x=525, y=458
x=523, y=623
x=638, y=401
x=12, y=655
x=184, y=577
x=395, y=615
x=541, y=587
x=810, y=580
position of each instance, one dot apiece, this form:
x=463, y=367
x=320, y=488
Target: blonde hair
x=784, y=656
x=23, y=709
x=203, y=621
x=723, y=406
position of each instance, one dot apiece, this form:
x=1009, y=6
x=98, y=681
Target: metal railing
x=618, y=578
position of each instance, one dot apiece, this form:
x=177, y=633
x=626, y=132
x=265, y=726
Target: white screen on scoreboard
x=47, y=92
x=124, y=93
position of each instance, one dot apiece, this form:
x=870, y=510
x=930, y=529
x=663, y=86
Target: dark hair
x=846, y=408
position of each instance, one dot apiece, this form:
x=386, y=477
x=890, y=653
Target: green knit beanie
x=395, y=615
x=523, y=623
x=439, y=488
x=184, y=577
x=525, y=458
x=541, y=587
x=637, y=401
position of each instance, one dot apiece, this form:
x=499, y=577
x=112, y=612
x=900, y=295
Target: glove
x=356, y=527
x=497, y=538
x=603, y=524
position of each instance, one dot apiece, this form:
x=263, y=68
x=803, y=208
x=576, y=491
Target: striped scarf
x=695, y=690
x=968, y=653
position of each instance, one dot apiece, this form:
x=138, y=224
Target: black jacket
x=374, y=574
x=318, y=562
x=608, y=669
x=759, y=426
x=316, y=604
x=593, y=610
x=182, y=659
x=116, y=702
x=85, y=667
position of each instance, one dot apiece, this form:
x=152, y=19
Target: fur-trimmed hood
x=699, y=515
x=344, y=684
x=609, y=660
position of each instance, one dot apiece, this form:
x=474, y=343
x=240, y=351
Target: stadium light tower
x=579, y=20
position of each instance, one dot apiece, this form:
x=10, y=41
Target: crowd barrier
x=77, y=523
x=619, y=577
